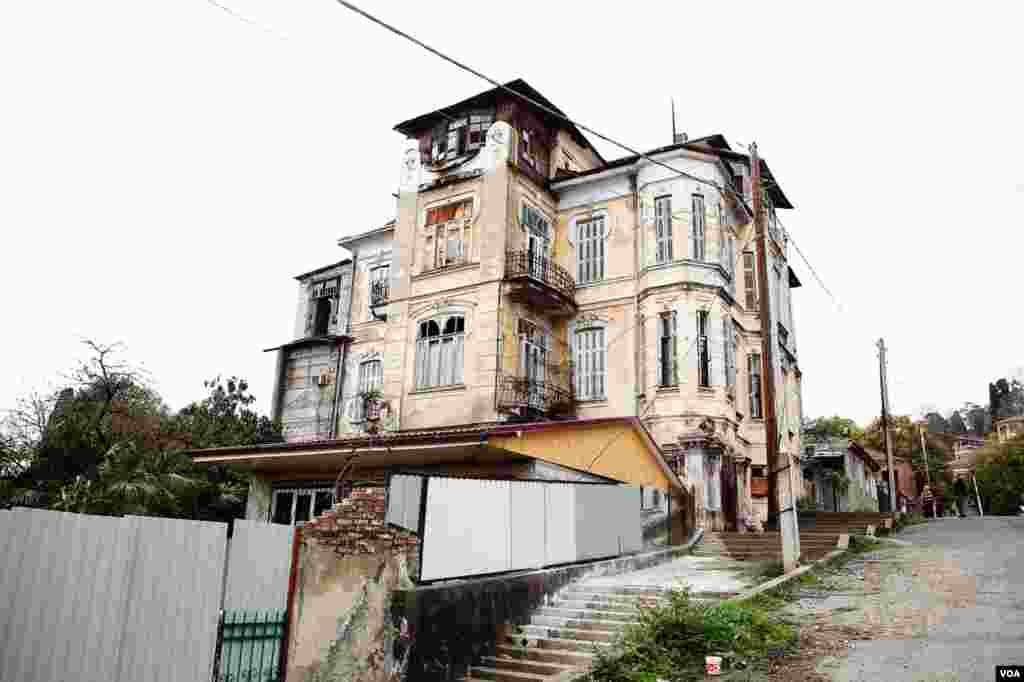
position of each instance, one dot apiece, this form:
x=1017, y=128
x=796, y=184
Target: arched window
x=439, y=356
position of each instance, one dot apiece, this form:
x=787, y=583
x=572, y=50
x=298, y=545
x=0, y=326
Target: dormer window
x=458, y=136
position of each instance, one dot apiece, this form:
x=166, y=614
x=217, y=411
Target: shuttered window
x=697, y=232
x=668, y=369
x=590, y=250
x=590, y=364
x=750, y=280
x=663, y=228
x=754, y=384
x=729, y=353
x=703, y=350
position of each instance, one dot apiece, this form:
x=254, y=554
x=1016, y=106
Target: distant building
x=1009, y=428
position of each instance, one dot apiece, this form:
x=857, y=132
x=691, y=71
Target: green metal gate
x=249, y=646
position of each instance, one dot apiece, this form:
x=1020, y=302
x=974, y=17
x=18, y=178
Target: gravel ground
x=949, y=608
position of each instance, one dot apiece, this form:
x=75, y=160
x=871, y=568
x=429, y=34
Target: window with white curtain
x=590, y=363
x=439, y=352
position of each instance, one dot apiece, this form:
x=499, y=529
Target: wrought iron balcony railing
x=539, y=268
x=547, y=397
x=379, y=293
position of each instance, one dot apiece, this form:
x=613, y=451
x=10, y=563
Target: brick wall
x=357, y=525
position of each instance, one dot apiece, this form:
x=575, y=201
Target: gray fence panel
x=527, y=520
x=173, y=601
x=560, y=526
x=597, y=528
x=630, y=519
x=466, y=528
x=404, y=494
x=259, y=563
x=63, y=621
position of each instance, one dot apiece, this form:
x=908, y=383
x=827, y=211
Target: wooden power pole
x=884, y=385
x=786, y=518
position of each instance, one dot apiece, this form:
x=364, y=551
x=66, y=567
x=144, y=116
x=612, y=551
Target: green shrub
x=671, y=641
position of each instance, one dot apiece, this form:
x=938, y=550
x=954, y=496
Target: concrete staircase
x=764, y=546
x=564, y=635
x=850, y=523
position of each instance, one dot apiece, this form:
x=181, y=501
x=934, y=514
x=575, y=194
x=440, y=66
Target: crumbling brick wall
x=351, y=562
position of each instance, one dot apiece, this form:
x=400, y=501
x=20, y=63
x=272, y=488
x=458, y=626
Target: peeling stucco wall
x=351, y=562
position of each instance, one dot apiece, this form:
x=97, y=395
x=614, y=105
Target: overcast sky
x=166, y=168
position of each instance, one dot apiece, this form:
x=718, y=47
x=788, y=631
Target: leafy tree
x=107, y=444
x=937, y=423
x=1005, y=398
x=1000, y=476
x=906, y=443
x=956, y=423
x=835, y=427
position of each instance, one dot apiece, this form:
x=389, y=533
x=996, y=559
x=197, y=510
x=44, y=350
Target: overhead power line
x=724, y=188
x=739, y=197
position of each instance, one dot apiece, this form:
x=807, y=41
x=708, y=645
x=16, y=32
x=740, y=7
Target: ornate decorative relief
x=497, y=149
x=411, y=167
x=584, y=319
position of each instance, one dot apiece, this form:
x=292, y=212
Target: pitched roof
x=485, y=98
x=710, y=144
x=324, y=268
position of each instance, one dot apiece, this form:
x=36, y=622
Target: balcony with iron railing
x=528, y=397
x=540, y=281
x=379, y=297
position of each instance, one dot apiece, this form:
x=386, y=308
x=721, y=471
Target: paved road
x=951, y=607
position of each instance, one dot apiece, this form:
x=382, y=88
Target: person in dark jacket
x=961, y=497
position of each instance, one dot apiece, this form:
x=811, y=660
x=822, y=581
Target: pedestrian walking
x=961, y=497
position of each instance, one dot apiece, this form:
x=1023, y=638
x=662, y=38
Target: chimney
x=681, y=138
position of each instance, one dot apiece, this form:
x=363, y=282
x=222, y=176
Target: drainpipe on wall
x=638, y=370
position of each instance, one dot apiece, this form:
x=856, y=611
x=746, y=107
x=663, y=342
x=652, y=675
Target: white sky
x=166, y=168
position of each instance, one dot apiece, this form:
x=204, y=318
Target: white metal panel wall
x=597, y=528
x=170, y=626
x=259, y=563
x=105, y=599
x=466, y=528
x=404, y=501
x=630, y=530
x=560, y=511
x=527, y=520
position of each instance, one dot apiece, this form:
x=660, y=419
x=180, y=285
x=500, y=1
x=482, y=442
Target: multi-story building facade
x=525, y=278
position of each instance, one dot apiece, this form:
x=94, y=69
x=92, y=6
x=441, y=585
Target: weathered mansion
x=526, y=279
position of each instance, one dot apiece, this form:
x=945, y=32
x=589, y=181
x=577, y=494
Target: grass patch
x=671, y=641
x=911, y=519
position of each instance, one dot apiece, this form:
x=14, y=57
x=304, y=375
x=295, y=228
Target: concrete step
x=563, y=656
x=503, y=675
x=544, y=631
x=581, y=646
x=628, y=590
x=577, y=613
x=596, y=605
x=524, y=665
x=585, y=623
x=583, y=594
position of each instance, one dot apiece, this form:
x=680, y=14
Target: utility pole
x=786, y=518
x=893, y=495
x=924, y=447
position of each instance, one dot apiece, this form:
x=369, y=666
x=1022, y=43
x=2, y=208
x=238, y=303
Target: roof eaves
x=324, y=268
x=352, y=239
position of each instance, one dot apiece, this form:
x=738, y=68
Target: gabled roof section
x=488, y=98
x=710, y=144
x=352, y=239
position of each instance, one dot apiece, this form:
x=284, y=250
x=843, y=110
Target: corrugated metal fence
x=476, y=527
x=108, y=599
